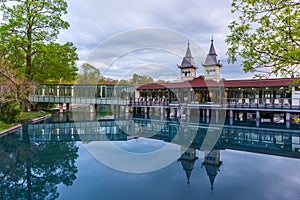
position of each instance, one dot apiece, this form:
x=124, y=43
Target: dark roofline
x=188, y=59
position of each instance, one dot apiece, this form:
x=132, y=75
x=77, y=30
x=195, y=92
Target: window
x=211, y=72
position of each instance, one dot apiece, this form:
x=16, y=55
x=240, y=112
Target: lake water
x=128, y=158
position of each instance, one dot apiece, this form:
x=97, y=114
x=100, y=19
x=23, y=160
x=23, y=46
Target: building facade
x=210, y=88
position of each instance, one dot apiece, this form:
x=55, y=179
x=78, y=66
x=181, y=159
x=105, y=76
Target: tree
x=28, y=46
x=9, y=111
x=35, y=170
x=11, y=93
x=55, y=64
x=266, y=35
x=88, y=74
x=138, y=79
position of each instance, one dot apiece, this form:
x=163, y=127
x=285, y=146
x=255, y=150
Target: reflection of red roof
x=200, y=82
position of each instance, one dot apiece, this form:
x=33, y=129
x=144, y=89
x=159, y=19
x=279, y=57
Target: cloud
x=141, y=50
x=105, y=30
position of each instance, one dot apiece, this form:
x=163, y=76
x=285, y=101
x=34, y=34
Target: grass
x=24, y=116
x=4, y=126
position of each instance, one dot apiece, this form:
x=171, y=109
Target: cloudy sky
x=148, y=37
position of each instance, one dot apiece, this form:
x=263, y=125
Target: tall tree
x=266, y=35
x=28, y=36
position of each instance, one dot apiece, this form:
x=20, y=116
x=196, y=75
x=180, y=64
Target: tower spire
x=187, y=159
x=212, y=165
x=188, y=66
x=212, y=65
x=212, y=50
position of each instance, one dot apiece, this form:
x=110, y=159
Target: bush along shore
x=23, y=118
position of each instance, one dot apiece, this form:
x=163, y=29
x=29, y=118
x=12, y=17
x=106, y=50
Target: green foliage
x=47, y=106
x=35, y=170
x=266, y=35
x=107, y=81
x=297, y=120
x=4, y=126
x=55, y=63
x=27, y=38
x=162, y=81
x=29, y=54
x=23, y=116
x=9, y=111
x=88, y=74
x=137, y=79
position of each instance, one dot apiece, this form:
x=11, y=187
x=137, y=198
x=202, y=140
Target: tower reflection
x=283, y=143
x=212, y=165
x=188, y=159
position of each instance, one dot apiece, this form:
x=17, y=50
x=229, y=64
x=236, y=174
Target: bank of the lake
x=23, y=118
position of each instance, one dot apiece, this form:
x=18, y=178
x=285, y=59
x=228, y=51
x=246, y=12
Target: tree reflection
x=35, y=170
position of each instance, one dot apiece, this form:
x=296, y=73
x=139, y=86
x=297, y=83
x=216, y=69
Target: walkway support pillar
x=168, y=110
x=207, y=116
x=38, y=107
x=92, y=108
x=288, y=120
x=162, y=111
x=147, y=110
x=174, y=112
x=68, y=107
x=188, y=111
x=127, y=109
x=257, y=118
x=231, y=116
x=61, y=107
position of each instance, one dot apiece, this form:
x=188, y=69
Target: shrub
x=9, y=111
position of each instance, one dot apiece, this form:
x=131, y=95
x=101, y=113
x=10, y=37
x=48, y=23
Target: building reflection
x=188, y=158
x=284, y=143
x=212, y=165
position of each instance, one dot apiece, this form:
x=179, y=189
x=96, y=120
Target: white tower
x=188, y=67
x=212, y=66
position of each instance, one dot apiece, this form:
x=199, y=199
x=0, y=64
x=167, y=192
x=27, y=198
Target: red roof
x=259, y=82
x=201, y=82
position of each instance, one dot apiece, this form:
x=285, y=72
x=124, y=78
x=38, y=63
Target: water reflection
x=34, y=170
x=259, y=140
x=42, y=157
